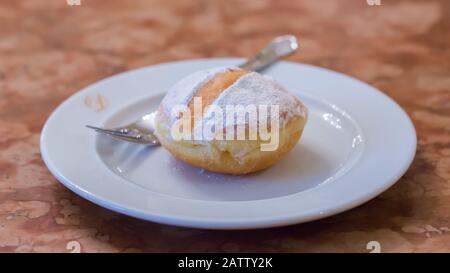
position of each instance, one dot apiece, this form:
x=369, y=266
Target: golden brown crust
x=213, y=158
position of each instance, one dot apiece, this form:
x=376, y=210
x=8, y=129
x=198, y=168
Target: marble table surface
x=49, y=50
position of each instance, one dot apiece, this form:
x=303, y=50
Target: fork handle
x=278, y=48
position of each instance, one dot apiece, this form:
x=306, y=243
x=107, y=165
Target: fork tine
x=124, y=137
x=116, y=132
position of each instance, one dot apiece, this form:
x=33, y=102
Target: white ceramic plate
x=356, y=144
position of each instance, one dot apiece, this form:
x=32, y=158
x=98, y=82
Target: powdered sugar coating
x=250, y=89
x=182, y=92
x=257, y=89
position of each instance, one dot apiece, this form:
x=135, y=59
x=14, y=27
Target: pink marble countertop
x=49, y=50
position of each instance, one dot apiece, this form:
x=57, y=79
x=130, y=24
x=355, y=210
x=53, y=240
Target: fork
x=142, y=130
